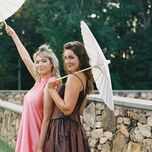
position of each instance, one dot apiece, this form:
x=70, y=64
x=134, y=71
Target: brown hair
x=79, y=50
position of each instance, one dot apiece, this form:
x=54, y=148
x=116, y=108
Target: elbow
x=67, y=112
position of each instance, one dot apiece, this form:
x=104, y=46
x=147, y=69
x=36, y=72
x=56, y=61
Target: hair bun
x=45, y=47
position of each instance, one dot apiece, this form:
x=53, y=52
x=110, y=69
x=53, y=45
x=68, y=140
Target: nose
x=40, y=64
x=67, y=61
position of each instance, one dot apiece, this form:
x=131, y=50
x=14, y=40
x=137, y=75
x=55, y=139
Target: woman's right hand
x=52, y=83
x=9, y=30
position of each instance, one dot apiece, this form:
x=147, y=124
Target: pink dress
x=31, y=120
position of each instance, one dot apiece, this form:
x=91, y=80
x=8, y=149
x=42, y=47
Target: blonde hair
x=45, y=51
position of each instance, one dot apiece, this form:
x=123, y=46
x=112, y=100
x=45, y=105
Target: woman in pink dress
x=33, y=120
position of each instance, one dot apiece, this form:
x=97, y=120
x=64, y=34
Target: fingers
x=9, y=30
x=52, y=82
x=7, y=27
x=52, y=79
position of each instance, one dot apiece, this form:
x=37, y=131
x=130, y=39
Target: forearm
x=43, y=133
x=20, y=47
x=24, y=55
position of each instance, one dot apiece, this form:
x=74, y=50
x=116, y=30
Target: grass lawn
x=4, y=147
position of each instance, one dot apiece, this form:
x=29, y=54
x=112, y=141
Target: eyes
x=42, y=61
x=68, y=57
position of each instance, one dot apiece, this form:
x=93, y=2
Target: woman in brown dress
x=65, y=132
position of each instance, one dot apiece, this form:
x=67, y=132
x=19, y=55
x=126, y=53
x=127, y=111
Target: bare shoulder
x=72, y=78
x=76, y=77
x=77, y=80
x=81, y=76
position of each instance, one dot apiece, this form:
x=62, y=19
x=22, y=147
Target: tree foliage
x=122, y=28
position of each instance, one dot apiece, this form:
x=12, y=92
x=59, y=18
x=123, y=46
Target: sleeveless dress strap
x=80, y=81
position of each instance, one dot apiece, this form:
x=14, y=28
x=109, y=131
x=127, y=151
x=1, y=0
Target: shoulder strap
x=80, y=81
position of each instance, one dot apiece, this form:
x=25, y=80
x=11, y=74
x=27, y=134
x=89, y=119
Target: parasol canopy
x=99, y=66
x=8, y=8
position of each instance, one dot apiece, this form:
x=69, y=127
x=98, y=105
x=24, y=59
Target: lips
x=40, y=69
x=69, y=65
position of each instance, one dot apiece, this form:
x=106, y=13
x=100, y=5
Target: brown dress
x=66, y=133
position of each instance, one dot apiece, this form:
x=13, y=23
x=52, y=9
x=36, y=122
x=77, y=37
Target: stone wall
x=13, y=96
x=125, y=130
x=9, y=125
x=141, y=94
x=16, y=96
x=128, y=129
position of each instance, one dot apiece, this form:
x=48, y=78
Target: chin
x=71, y=70
x=42, y=73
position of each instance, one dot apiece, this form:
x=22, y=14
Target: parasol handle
x=5, y=23
x=74, y=73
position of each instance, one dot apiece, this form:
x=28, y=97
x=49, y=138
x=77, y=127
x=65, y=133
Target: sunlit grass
x=4, y=147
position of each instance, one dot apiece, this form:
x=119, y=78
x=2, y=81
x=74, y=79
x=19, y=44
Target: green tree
x=122, y=28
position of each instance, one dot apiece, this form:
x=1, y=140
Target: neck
x=45, y=76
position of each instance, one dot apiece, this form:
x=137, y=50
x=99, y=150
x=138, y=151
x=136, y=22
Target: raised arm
x=48, y=110
x=22, y=51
